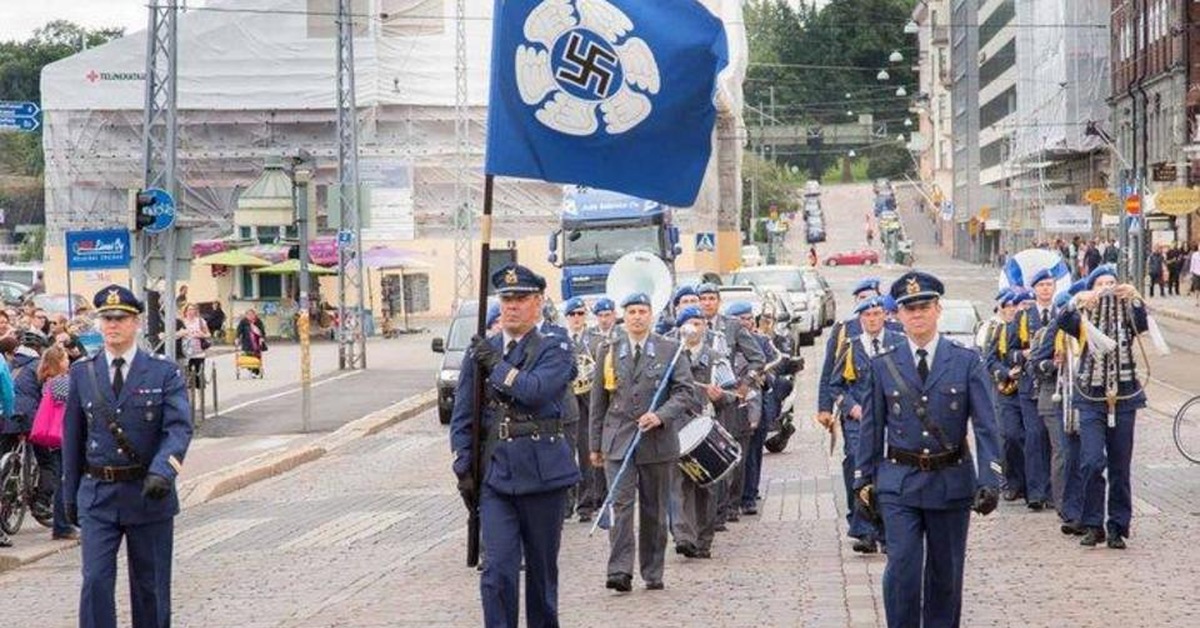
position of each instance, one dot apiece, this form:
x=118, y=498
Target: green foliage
x=858, y=171
x=23, y=201
x=33, y=247
x=891, y=161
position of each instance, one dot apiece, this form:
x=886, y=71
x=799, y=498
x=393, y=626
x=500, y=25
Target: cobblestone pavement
x=373, y=535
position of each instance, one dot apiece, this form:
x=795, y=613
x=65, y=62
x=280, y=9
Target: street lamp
x=911, y=28
x=852, y=154
x=908, y=122
x=883, y=75
x=849, y=113
x=895, y=57
x=900, y=138
x=900, y=91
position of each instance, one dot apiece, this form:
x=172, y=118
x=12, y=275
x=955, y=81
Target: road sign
x=98, y=250
x=19, y=116
x=1135, y=224
x=706, y=242
x=947, y=210
x=163, y=210
x=1133, y=205
x=1094, y=196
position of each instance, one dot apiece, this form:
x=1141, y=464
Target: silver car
x=789, y=279
x=959, y=321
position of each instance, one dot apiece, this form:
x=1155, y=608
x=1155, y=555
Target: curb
x=272, y=463
x=1174, y=314
x=264, y=466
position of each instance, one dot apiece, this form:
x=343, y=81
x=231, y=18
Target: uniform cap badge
x=113, y=298
x=510, y=277
x=913, y=287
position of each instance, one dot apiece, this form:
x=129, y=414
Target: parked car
x=823, y=298
x=959, y=321
x=864, y=257
x=12, y=291
x=814, y=234
x=751, y=256
x=789, y=279
x=794, y=323
x=453, y=347
x=20, y=273
x=812, y=188
x=58, y=304
x=812, y=209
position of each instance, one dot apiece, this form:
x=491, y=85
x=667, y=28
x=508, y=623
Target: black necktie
x=1045, y=316
x=508, y=348
x=874, y=346
x=922, y=365
x=637, y=355
x=118, y=381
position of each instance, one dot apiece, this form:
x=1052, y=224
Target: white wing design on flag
x=548, y=20
x=569, y=115
x=640, y=67
x=605, y=19
x=625, y=110
x=535, y=79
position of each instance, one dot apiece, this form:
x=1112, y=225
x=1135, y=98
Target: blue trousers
x=513, y=527
x=149, y=549
x=1106, y=449
x=754, y=455
x=1037, y=452
x=923, y=579
x=1072, y=506
x=50, y=463
x=858, y=525
x=1013, y=433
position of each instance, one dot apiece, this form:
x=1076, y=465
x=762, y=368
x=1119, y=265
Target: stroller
x=248, y=362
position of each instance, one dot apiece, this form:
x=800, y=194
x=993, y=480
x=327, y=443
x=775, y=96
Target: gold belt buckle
x=924, y=463
x=109, y=474
x=502, y=430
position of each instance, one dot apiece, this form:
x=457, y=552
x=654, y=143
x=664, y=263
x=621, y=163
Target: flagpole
x=485, y=236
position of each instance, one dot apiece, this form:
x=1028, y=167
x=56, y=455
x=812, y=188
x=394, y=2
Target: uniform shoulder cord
x=848, y=372
x=610, y=371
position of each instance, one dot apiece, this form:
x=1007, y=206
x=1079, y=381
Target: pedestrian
x=632, y=367
x=812, y=256
x=923, y=482
x=1108, y=394
x=181, y=298
x=1156, y=267
x=1194, y=271
x=195, y=341
x=252, y=338
x=125, y=434
x=527, y=464
x=215, y=320
x=55, y=383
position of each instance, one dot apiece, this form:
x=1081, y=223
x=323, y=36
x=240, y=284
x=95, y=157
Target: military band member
x=126, y=430
x=851, y=387
x=589, y=493
x=528, y=464
x=745, y=419
x=696, y=526
x=632, y=367
x=684, y=296
x=606, y=323
x=1037, y=440
x=1108, y=394
x=775, y=388
x=839, y=338
x=1008, y=404
x=914, y=465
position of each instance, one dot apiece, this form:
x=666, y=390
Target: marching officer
x=634, y=365
x=1038, y=449
x=1108, y=395
x=1008, y=404
x=528, y=464
x=851, y=388
x=914, y=465
x=126, y=430
x=839, y=337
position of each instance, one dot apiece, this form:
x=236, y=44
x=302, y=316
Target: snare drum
x=707, y=451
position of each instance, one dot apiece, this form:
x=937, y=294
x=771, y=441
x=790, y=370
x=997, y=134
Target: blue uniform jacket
x=957, y=389
x=997, y=363
x=841, y=330
x=1068, y=321
x=154, y=413
x=856, y=392
x=24, y=396
x=531, y=379
x=1033, y=323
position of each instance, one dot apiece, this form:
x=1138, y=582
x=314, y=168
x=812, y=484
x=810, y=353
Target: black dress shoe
x=1092, y=537
x=1072, y=528
x=749, y=510
x=1036, y=506
x=703, y=553
x=1116, y=541
x=585, y=517
x=1011, y=496
x=864, y=545
x=686, y=548
x=654, y=586
x=620, y=582
x=732, y=518
x=720, y=527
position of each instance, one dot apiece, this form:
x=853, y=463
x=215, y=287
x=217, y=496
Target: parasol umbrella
x=234, y=257
x=290, y=266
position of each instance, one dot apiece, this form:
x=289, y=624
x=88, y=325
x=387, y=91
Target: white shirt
x=930, y=349
x=128, y=355
x=1194, y=265
x=866, y=342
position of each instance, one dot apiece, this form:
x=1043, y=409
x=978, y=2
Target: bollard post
x=216, y=410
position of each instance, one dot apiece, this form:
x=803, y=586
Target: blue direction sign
x=163, y=210
x=345, y=237
x=98, y=250
x=19, y=116
x=706, y=241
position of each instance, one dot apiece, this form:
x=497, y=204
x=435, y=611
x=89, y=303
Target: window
x=259, y=285
x=998, y=108
x=997, y=64
x=416, y=292
x=996, y=21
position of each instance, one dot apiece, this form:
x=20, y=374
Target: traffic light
x=143, y=215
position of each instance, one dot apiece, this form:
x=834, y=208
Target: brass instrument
x=1006, y=387
x=585, y=372
x=1105, y=327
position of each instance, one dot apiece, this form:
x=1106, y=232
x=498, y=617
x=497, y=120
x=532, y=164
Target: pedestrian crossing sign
x=706, y=242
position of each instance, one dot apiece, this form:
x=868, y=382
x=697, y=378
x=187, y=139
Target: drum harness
x=951, y=455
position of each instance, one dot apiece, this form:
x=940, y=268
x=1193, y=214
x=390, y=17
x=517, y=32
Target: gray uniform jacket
x=614, y=414
x=740, y=342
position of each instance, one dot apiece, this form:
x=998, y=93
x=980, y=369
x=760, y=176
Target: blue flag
x=613, y=94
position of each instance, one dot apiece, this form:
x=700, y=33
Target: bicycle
x=19, y=489
x=1186, y=430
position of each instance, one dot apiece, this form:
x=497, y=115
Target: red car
x=853, y=258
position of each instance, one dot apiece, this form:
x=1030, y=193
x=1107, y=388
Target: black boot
x=1092, y=537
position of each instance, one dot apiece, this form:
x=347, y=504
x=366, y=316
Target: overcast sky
x=21, y=17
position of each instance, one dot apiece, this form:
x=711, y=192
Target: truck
x=598, y=227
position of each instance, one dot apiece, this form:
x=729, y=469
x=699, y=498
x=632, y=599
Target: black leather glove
x=867, y=502
x=155, y=487
x=467, y=490
x=986, y=500
x=71, y=512
x=485, y=355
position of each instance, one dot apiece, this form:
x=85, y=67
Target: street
x=373, y=533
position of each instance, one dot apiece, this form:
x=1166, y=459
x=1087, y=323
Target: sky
x=21, y=17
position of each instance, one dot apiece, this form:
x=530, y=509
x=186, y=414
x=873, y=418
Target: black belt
x=507, y=429
x=116, y=474
x=923, y=461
